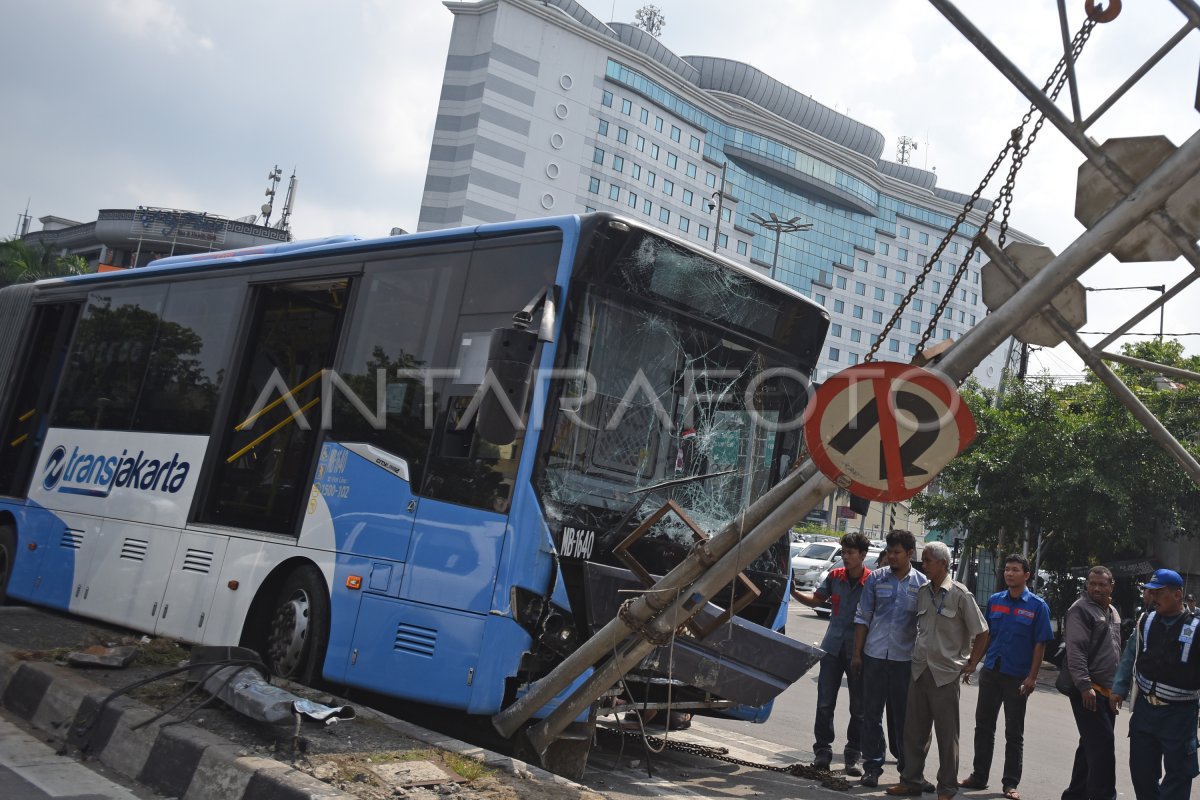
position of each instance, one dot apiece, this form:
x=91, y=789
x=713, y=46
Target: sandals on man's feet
x=1011, y=793
x=972, y=782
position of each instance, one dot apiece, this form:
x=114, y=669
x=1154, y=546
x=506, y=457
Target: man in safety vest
x=1166, y=670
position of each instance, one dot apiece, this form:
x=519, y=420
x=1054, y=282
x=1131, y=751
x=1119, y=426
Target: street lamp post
x=1161, y=289
x=780, y=226
x=717, y=200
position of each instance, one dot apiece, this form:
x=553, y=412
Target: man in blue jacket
x=1018, y=630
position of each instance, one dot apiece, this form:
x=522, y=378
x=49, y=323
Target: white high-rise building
x=546, y=110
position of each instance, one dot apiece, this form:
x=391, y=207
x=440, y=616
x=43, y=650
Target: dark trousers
x=1094, y=776
x=932, y=710
x=1161, y=735
x=995, y=690
x=829, y=683
x=885, y=686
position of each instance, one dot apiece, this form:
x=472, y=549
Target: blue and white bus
x=279, y=447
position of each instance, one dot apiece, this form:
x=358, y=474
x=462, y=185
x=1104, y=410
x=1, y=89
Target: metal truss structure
x=1160, y=197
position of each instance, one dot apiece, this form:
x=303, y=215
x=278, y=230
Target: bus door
x=25, y=425
x=259, y=473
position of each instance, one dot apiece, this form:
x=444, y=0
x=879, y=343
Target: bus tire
x=298, y=626
x=8, y=555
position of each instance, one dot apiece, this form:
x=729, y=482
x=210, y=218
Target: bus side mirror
x=510, y=363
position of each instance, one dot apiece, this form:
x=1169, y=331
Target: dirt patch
x=341, y=755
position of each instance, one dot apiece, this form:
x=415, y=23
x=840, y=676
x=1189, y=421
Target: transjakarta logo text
x=81, y=473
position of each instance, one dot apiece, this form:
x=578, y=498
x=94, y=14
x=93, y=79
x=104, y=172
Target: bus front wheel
x=299, y=626
x=8, y=555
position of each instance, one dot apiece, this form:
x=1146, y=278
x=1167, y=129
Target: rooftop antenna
x=287, y=203
x=23, y=220
x=273, y=178
x=904, y=146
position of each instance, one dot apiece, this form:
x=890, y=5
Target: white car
x=815, y=558
x=874, y=560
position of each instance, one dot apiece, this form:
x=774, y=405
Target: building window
x=691, y=170
x=860, y=288
x=635, y=171
x=623, y=135
x=974, y=299
x=974, y=277
x=618, y=163
x=835, y=354
x=901, y=276
x=594, y=185
x=695, y=144
x=839, y=307
x=835, y=330
x=664, y=215
x=840, y=281
x=726, y=214
x=962, y=294
x=882, y=248
x=668, y=187
x=684, y=223
x=626, y=107
x=654, y=152
x=857, y=312
x=903, y=231
x=945, y=333
x=650, y=178
x=633, y=198
x=702, y=232
x=723, y=241
x=588, y=209
x=894, y=345
x=852, y=359
x=896, y=298
x=937, y=265
x=953, y=249
x=597, y=156
x=710, y=180
x=862, y=265
x=672, y=161
x=917, y=305
x=819, y=298
x=606, y=99
x=603, y=128
x=972, y=319
x=742, y=248
x=647, y=207
x=658, y=124
x=855, y=335
x=614, y=192
x=978, y=256
x=644, y=116
x=912, y=349
x=878, y=292
x=877, y=317
x=937, y=287
x=675, y=134
x=687, y=197
x=923, y=238
x=640, y=144
x=881, y=270
x=902, y=254
x=914, y=326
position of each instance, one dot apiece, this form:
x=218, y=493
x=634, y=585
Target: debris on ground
x=100, y=656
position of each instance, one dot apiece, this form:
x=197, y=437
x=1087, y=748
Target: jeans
x=1094, y=774
x=829, y=683
x=885, y=685
x=995, y=690
x=1161, y=735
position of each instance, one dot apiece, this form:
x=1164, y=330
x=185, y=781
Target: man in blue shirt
x=885, y=628
x=842, y=588
x=1019, y=629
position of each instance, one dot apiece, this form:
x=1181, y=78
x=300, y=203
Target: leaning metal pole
x=676, y=598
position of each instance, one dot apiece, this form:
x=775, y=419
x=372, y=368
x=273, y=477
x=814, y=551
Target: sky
x=188, y=104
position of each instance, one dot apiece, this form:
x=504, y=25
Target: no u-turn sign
x=884, y=430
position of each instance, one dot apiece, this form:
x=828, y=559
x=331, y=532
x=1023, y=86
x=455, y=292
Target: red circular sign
x=884, y=430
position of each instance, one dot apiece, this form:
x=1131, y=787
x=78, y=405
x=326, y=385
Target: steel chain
x=1057, y=80
x=658, y=744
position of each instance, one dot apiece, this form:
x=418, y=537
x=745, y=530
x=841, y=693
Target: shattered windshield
x=667, y=394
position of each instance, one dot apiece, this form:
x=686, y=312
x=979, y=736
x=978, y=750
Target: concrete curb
x=183, y=760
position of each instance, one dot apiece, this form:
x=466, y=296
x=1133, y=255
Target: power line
x=1137, y=333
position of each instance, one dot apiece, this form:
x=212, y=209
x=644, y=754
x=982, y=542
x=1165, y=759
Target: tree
x=21, y=262
x=650, y=18
x=1073, y=462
